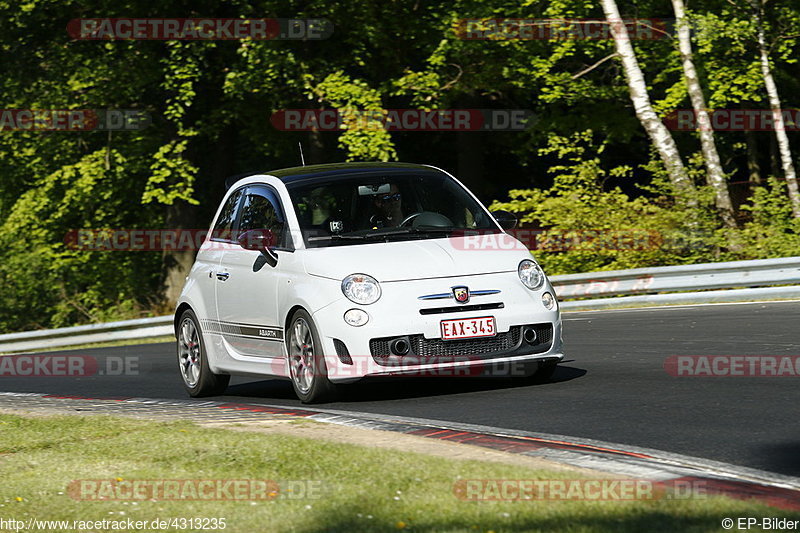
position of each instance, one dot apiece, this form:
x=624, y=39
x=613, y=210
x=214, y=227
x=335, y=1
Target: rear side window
x=223, y=229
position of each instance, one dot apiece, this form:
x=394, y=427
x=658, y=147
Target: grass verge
x=348, y=488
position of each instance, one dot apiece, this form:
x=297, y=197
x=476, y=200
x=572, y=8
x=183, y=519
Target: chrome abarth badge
x=461, y=294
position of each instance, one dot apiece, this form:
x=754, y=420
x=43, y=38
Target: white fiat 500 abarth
x=329, y=273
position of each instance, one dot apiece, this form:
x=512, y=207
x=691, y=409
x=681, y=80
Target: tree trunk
x=314, y=149
x=753, y=167
x=176, y=264
x=715, y=177
x=471, y=162
x=659, y=135
x=774, y=158
x=217, y=161
x=777, y=116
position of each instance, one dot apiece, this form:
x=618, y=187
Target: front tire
x=198, y=379
x=307, y=368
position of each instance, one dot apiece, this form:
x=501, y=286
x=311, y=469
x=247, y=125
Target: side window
x=259, y=212
x=223, y=229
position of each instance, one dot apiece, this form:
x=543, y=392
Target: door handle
x=222, y=276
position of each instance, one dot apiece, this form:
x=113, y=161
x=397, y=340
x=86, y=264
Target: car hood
x=418, y=259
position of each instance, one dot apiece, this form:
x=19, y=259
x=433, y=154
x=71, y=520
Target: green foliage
x=63, y=284
x=589, y=225
x=593, y=226
x=363, y=137
x=772, y=232
x=726, y=43
x=172, y=176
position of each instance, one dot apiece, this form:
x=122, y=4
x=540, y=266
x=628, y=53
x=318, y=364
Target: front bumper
x=356, y=352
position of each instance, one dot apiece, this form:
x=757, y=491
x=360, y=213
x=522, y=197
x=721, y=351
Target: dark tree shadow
x=378, y=389
x=783, y=458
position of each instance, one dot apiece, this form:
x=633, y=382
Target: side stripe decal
x=270, y=333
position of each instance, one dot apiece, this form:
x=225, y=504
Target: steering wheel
x=430, y=219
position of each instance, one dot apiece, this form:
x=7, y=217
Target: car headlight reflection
x=361, y=289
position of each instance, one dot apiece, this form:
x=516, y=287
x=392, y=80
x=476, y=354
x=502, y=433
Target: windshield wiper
x=415, y=230
x=381, y=234
x=337, y=236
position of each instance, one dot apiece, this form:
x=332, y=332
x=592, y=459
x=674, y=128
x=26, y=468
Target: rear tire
x=307, y=368
x=198, y=379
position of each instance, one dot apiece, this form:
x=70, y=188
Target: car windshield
x=378, y=208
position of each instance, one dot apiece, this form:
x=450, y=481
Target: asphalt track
x=612, y=386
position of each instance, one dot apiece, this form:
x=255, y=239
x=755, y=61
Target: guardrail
x=701, y=277
x=745, y=280
x=140, y=328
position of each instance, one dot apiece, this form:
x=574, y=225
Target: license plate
x=468, y=328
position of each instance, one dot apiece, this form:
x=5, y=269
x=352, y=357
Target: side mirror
x=505, y=219
x=260, y=240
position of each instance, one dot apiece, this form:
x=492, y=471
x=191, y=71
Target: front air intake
x=342, y=352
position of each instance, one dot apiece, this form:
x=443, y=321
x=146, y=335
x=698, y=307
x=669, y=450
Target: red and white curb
x=641, y=463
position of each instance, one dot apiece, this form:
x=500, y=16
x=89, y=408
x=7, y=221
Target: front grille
x=422, y=347
x=437, y=347
x=544, y=333
x=379, y=347
x=424, y=350
x=459, y=308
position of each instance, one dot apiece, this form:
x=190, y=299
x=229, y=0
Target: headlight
x=530, y=274
x=548, y=301
x=361, y=289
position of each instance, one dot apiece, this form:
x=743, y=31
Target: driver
x=388, y=209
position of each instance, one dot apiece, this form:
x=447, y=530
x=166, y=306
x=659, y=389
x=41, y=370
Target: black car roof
x=330, y=170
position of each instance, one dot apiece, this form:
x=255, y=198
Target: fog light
x=548, y=301
x=356, y=317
